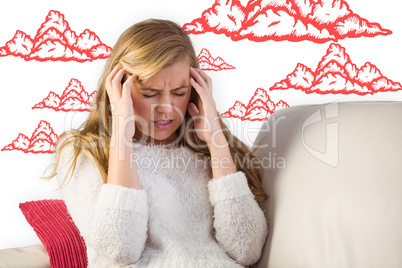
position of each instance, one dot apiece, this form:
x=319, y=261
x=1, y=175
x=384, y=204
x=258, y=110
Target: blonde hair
x=144, y=49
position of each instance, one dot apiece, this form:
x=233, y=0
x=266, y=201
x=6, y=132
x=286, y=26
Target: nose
x=165, y=106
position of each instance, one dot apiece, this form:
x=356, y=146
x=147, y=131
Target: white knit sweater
x=179, y=218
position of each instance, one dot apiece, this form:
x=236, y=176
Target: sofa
x=333, y=175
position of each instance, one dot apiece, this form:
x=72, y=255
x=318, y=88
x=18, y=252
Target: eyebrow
x=154, y=89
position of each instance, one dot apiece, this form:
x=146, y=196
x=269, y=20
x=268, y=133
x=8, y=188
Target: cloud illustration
x=51, y=101
x=367, y=73
x=257, y=114
x=259, y=107
x=209, y=63
x=332, y=67
x=328, y=11
x=20, y=45
x=280, y=105
x=337, y=74
x=54, y=20
x=261, y=20
x=221, y=18
x=20, y=143
x=355, y=26
x=335, y=53
x=254, y=8
x=337, y=84
x=238, y=110
x=383, y=84
x=42, y=140
x=54, y=50
x=302, y=77
x=73, y=98
x=279, y=25
x=100, y=51
x=55, y=41
x=260, y=99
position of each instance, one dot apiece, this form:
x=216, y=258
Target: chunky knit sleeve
x=240, y=225
x=112, y=219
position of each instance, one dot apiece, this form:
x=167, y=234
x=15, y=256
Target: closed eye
x=180, y=94
x=148, y=96
x=157, y=91
x=176, y=94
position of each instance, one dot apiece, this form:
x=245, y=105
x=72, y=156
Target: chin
x=157, y=138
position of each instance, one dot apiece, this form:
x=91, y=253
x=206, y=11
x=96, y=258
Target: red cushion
x=57, y=232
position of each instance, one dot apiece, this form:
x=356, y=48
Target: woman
x=150, y=179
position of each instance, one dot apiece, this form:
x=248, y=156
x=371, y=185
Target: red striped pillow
x=57, y=232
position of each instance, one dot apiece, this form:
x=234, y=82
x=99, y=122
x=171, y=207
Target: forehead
x=174, y=75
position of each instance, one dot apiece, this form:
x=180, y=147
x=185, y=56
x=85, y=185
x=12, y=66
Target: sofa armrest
x=25, y=257
x=333, y=175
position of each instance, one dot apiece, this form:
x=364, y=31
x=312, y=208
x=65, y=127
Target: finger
x=113, y=93
x=115, y=90
x=199, y=85
x=197, y=76
x=112, y=74
x=208, y=80
x=126, y=92
x=205, y=77
x=197, y=88
x=193, y=110
x=205, y=95
x=116, y=81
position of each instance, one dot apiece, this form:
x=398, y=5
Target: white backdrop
x=257, y=65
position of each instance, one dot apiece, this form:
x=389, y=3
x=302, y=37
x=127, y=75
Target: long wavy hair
x=144, y=49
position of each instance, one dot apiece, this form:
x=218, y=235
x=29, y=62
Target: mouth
x=162, y=124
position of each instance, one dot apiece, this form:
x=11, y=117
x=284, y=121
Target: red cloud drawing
x=259, y=107
x=42, y=140
x=295, y=20
x=55, y=41
x=337, y=74
x=74, y=98
x=209, y=63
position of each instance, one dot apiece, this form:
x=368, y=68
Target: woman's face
x=160, y=103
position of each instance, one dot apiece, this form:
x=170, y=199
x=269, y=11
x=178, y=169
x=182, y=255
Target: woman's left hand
x=206, y=118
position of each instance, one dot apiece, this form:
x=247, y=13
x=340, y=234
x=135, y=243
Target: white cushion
x=333, y=174
x=24, y=257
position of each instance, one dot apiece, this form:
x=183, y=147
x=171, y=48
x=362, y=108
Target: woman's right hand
x=121, y=171
x=121, y=103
